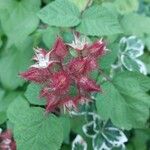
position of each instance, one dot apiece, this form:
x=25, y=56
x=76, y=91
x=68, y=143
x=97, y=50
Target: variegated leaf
x=79, y=143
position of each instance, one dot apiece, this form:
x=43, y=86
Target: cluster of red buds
x=6, y=141
x=57, y=71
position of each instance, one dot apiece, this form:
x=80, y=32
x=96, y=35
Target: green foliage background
x=25, y=24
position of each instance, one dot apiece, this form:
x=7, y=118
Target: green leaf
x=130, y=25
x=33, y=129
x=66, y=147
x=2, y=92
x=7, y=99
x=47, y=1
x=140, y=139
x=82, y=4
x=126, y=6
x=32, y=94
x=14, y=61
x=125, y=101
x=3, y=117
x=146, y=40
x=107, y=60
x=67, y=36
x=1, y=41
x=65, y=122
x=60, y=13
x=146, y=60
x=143, y=81
x=77, y=123
x=37, y=37
x=99, y=21
x=50, y=35
x=19, y=17
x=18, y=110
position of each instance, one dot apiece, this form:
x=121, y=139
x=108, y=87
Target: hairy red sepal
x=59, y=48
x=97, y=48
x=60, y=81
x=36, y=75
x=88, y=84
x=77, y=66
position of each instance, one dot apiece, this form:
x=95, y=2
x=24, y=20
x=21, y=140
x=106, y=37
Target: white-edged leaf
x=79, y=143
x=115, y=136
x=99, y=143
x=130, y=49
x=132, y=46
x=104, y=134
x=129, y=63
x=142, y=67
x=88, y=129
x=133, y=64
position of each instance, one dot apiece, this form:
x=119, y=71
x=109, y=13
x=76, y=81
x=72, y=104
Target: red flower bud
x=13, y=145
x=6, y=135
x=36, y=75
x=52, y=103
x=97, y=49
x=88, y=85
x=59, y=48
x=77, y=66
x=44, y=92
x=91, y=63
x=60, y=81
x=55, y=102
